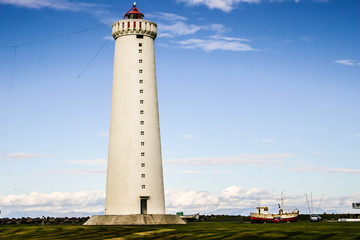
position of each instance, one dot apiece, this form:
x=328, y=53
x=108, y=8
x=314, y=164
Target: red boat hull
x=273, y=220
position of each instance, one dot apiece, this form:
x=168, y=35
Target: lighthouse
x=134, y=173
x=134, y=185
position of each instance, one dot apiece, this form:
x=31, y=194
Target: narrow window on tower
x=141, y=81
x=141, y=101
x=141, y=111
x=141, y=91
x=142, y=164
x=143, y=186
x=140, y=44
x=142, y=143
x=142, y=175
x=141, y=122
x=139, y=36
x=140, y=70
x=140, y=60
x=142, y=154
x=142, y=133
x=140, y=50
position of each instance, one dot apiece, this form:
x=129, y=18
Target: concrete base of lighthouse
x=135, y=219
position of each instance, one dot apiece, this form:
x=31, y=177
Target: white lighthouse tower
x=135, y=188
x=134, y=175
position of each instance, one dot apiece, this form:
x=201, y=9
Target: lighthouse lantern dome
x=133, y=13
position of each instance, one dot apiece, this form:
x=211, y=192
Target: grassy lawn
x=208, y=230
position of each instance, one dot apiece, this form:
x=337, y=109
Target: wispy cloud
x=237, y=200
x=232, y=199
x=80, y=171
x=321, y=169
x=187, y=136
x=99, y=11
x=215, y=41
x=107, y=38
x=244, y=159
x=317, y=152
x=222, y=172
x=63, y=5
x=27, y=156
x=212, y=44
x=103, y=133
x=229, y=5
x=224, y=5
x=267, y=140
x=308, y=38
x=195, y=172
x=82, y=201
x=96, y=161
x=348, y=62
x=177, y=29
x=170, y=17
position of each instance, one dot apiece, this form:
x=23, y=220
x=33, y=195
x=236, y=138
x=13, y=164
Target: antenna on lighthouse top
x=133, y=13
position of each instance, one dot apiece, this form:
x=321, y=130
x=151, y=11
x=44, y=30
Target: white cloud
x=348, y=62
x=244, y=159
x=82, y=201
x=321, y=169
x=81, y=171
x=222, y=172
x=187, y=136
x=219, y=28
x=229, y=5
x=224, y=5
x=215, y=44
x=26, y=155
x=63, y=5
x=177, y=29
x=169, y=17
x=96, y=161
x=308, y=38
x=219, y=37
x=195, y=172
x=317, y=152
x=234, y=199
x=267, y=141
x=343, y=170
x=97, y=10
x=106, y=133
x=103, y=133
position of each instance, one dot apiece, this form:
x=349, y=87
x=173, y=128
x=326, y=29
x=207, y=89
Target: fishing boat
x=313, y=217
x=262, y=215
x=189, y=218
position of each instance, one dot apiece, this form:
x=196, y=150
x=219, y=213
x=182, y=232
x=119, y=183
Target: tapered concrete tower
x=134, y=174
x=134, y=189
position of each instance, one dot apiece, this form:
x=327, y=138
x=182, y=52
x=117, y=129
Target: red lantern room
x=133, y=13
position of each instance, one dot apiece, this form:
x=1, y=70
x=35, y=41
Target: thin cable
x=60, y=96
x=91, y=61
x=317, y=210
x=54, y=37
x=4, y=154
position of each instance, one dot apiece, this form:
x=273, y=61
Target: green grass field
x=208, y=230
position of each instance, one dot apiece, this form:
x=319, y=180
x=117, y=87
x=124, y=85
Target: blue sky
x=255, y=97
